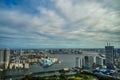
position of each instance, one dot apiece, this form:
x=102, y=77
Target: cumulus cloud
x=90, y=19
x=65, y=23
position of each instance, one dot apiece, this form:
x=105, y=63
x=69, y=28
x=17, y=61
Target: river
x=67, y=60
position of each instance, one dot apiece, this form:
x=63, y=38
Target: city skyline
x=59, y=23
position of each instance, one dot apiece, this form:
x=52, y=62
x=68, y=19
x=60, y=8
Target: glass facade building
x=109, y=51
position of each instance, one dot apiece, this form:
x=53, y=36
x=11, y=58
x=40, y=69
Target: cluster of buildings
x=102, y=60
x=4, y=58
x=74, y=50
x=65, y=51
x=23, y=59
x=107, y=64
x=91, y=58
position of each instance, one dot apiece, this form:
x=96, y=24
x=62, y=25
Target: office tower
x=98, y=61
x=1, y=56
x=109, y=51
x=86, y=61
x=90, y=61
x=77, y=62
x=4, y=58
x=1, y=59
x=118, y=51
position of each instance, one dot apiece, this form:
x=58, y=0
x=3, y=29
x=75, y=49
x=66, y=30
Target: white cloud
x=84, y=21
x=52, y=22
x=91, y=17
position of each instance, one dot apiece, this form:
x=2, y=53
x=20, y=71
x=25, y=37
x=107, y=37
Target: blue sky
x=59, y=23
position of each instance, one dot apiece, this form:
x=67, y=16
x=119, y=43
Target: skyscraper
x=118, y=51
x=4, y=58
x=109, y=51
x=1, y=58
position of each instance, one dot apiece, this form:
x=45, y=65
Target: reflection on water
x=68, y=60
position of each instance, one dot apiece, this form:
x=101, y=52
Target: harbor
x=24, y=60
x=47, y=64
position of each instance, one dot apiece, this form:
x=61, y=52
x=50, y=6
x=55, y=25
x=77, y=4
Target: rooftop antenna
x=107, y=43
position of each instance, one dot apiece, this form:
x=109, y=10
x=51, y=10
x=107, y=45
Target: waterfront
x=67, y=60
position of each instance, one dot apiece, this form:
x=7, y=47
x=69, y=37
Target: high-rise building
x=109, y=51
x=118, y=51
x=1, y=59
x=4, y=58
x=86, y=61
x=98, y=61
x=77, y=62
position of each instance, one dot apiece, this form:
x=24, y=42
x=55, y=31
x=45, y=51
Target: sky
x=59, y=23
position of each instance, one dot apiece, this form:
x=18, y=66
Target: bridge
x=90, y=58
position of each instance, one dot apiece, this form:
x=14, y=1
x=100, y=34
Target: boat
x=47, y=63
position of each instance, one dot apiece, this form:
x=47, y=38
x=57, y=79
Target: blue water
x=68, y=60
